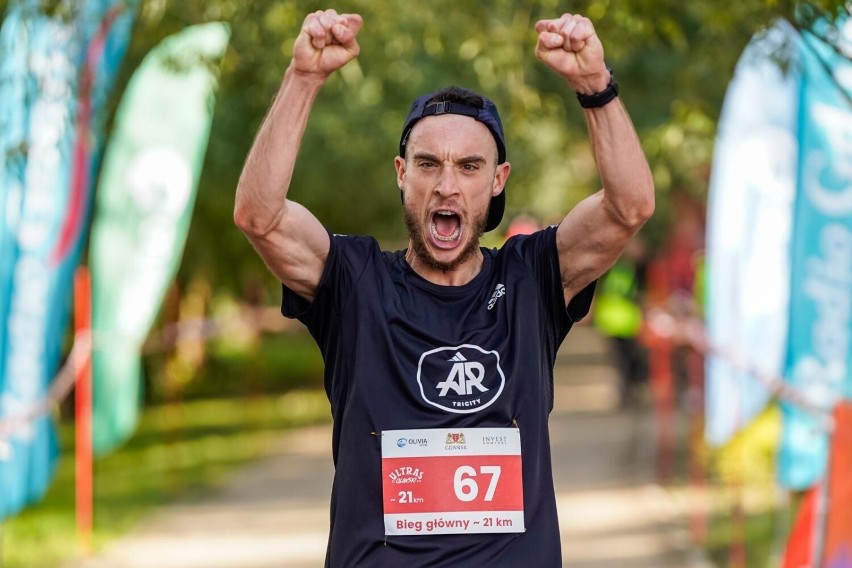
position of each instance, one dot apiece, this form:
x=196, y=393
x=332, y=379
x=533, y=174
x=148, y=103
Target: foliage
x=752, y=517
x=750, y=456
x=264, y=365
x=673, y=60
x=758, y=535
x=178, y=452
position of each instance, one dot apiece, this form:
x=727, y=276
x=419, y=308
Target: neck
x=455, y=276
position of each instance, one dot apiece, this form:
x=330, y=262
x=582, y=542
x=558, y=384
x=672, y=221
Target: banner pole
x=83, y=412
x=822, y=508
x=698, y=481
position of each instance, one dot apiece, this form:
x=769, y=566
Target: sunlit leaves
x=673, y=60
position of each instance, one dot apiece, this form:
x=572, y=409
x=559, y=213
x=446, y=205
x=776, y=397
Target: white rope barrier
x=266, y=319
x=690, y=330
x=663, y=323
x=21, y=423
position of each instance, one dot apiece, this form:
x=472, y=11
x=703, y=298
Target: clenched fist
x=326, y=43
x=570, y=46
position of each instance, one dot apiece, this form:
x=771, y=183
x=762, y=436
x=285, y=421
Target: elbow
x=240, y=220
x=243, y=218
x=645, y=209
x=643, y=205
x=250, y=220
x=634, y=215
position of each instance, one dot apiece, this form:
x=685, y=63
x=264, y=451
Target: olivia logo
x=461, y=379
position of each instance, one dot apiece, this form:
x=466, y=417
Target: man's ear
x=399, y=164
x=501, y=176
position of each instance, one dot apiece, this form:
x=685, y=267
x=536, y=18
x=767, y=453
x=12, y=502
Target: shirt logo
x=461, y=379
x=499, y=292
x=465, y=377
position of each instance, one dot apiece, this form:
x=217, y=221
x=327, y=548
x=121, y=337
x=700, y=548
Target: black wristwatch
x=599, y=99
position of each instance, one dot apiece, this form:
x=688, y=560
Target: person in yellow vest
x=618, y=317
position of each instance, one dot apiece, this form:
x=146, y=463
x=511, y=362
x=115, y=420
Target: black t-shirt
x=388, y=337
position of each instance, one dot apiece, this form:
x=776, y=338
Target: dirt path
x=275, y=513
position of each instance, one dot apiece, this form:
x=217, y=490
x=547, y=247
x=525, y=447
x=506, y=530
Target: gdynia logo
x=461, y=379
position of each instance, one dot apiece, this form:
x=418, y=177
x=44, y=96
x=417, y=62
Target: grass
x=748, y=521
x=179, y=452
x=759, y=536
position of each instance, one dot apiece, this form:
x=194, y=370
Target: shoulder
x=353, y=248
x=541, y=242
x=360, y=242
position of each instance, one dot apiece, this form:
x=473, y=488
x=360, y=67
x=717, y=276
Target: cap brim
x=495, y=211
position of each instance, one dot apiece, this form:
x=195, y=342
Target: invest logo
x=461, y=379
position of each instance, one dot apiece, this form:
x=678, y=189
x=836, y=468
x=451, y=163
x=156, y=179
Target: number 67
x=466, y=487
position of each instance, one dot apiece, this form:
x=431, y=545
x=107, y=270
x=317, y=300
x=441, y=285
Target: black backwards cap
x=487, y=115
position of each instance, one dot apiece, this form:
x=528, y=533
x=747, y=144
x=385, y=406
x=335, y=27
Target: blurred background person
x=523, y=224
x=617, y=316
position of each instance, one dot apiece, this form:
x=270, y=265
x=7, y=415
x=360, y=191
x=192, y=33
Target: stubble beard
x=421, y=249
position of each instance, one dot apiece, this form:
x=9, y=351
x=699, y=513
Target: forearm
x=623, y=169
x=261, y=197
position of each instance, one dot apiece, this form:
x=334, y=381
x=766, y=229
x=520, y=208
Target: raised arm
x=593, y=234
x=291, y=241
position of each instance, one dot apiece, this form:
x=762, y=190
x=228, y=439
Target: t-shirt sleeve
x=539, y=252
x=347, y=259
x=579, y=306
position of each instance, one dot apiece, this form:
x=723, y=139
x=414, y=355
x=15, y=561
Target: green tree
x=673, y=60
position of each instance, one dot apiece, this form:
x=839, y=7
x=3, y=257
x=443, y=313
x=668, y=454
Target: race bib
x=445, y=481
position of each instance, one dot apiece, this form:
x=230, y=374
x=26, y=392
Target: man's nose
x=447, y=183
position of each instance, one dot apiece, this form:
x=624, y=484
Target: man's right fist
x=326, y=42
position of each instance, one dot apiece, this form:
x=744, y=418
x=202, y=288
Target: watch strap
x=601, y=98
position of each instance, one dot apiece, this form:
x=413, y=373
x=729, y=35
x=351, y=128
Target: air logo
x=462, y=379
x=465, y=376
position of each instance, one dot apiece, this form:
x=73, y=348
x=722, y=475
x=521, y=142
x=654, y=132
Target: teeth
x=440, y=237
x=451, y=238
x=456, y=234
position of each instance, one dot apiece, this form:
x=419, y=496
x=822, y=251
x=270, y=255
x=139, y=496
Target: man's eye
x=470, y=167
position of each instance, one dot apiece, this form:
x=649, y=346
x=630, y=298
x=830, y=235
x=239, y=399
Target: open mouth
x=446, y=226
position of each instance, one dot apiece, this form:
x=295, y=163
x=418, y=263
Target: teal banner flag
x=144, y=204
x=49, y=144
x=819, y=359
